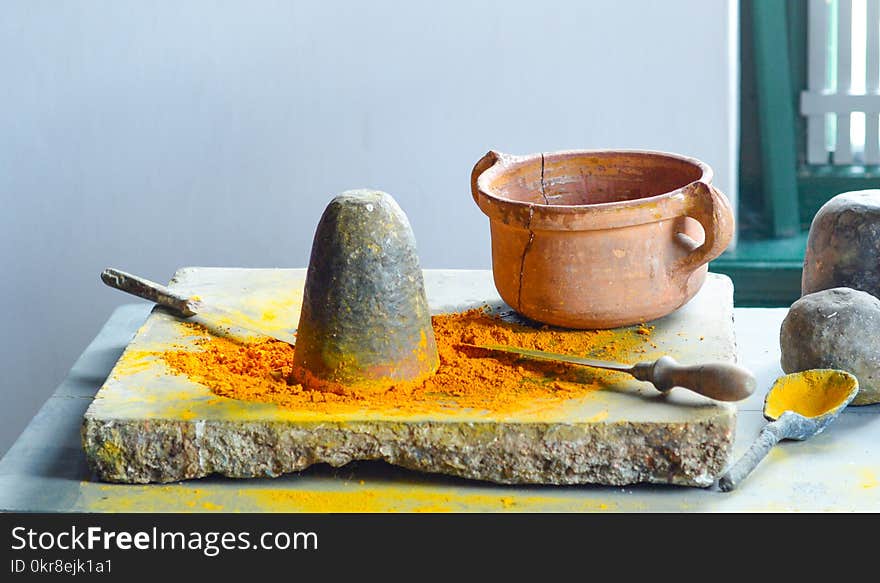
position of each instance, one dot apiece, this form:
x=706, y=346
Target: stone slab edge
x=139, y=451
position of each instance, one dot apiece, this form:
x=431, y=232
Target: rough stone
x=843, y=247
x=149, y=425
x=835, y=328
x=530, y=453
x=365, y=321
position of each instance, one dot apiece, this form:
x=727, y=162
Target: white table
x=45, y=469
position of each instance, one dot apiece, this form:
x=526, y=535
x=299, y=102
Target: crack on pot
x=522, y=263
x=543, y=193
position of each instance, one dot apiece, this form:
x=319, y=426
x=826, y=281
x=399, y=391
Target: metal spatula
x=722, y=381
x=183, y=305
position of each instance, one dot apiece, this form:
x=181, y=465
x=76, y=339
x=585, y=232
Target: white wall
x=153, y=135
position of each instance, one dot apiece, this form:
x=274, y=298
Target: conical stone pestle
x=365, y=323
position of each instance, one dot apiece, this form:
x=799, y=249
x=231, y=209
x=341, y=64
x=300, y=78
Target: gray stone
x=835, y=328
x=533, y=453
x=365, y=321
x=843, y=247
x=147, y=424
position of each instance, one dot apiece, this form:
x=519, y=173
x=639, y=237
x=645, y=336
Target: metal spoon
x=184, y=306
x=799, y=405
x=723, y=381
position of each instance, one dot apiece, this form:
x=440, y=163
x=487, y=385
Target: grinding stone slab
x=149, y=425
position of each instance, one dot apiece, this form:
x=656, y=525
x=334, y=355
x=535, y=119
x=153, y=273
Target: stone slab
x=147, y=425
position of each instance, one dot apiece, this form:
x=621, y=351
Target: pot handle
x=710, y=207
x=491, y=158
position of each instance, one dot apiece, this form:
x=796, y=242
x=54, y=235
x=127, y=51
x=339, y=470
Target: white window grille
x=842, y=100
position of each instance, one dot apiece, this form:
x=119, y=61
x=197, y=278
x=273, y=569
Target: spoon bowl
x=798, y=406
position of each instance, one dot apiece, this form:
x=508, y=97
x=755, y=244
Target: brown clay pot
x=599, y=239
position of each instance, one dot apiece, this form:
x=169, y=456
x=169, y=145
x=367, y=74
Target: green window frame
x=779, y=192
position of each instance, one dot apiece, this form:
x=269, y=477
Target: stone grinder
x=365, y=323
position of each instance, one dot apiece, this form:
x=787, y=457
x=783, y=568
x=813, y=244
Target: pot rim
x=507, y=161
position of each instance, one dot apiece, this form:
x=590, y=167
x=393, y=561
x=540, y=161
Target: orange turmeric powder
x=467, y=377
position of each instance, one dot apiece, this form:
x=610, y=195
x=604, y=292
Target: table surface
x=45, y=470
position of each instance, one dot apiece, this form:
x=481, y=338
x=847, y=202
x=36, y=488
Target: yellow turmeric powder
x=467, y=377
x=809, y=393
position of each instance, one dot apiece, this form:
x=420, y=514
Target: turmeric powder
x=810, y=393
x=467, y=377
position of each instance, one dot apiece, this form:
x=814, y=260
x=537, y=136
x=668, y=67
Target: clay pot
x=599, y=239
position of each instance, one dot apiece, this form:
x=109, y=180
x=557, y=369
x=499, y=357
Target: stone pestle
x=365, y=324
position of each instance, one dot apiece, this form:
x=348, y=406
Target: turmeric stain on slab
x=134, y=361
x=266, y=311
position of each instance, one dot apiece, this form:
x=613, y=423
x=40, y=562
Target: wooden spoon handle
x=148, y=290
x=722, y=381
